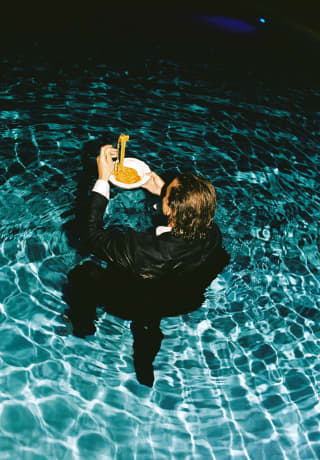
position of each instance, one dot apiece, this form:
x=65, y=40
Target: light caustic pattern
x=237, y=379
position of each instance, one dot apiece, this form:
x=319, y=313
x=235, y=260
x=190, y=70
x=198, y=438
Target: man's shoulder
x=147, y=235
x=215, y=233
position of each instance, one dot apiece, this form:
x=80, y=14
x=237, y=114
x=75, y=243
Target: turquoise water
x=237, y=379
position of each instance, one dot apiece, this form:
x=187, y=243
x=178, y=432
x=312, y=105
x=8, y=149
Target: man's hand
x=105, y=163
x=154, y=184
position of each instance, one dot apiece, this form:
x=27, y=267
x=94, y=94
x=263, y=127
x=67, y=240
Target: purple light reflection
x=228, y=24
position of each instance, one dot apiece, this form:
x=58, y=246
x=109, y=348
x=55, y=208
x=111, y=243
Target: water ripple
x=239, y=378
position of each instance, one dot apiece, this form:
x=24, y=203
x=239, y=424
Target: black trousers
x=144, y=302
x=90, y=286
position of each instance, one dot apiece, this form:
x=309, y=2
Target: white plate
x=142, y=169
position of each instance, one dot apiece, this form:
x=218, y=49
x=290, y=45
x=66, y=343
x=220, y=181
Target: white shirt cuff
x=102, y=187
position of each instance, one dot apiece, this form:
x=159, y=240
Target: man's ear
x=171, y=212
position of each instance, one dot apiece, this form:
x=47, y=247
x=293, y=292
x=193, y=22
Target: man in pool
x=153, y=274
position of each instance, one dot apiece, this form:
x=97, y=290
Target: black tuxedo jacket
x=150, y=276
x=146, y=255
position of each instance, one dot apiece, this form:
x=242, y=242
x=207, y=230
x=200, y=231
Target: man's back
x=146, y=254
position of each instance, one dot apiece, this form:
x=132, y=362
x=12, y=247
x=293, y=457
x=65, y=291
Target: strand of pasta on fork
x=123, y=173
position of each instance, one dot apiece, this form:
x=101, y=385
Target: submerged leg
x=147, y=338
x=81, y=294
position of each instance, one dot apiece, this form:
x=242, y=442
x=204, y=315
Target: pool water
x=240, y=377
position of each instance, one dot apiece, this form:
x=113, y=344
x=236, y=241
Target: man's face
x=165, y=208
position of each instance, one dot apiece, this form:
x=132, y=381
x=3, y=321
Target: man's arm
x=107, y=244
x=110, y=244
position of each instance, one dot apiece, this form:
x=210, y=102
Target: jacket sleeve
x=108, y=244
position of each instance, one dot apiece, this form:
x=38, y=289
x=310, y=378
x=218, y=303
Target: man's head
x=190, y=204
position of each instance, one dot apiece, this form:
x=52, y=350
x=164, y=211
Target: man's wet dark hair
x=193, y=204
